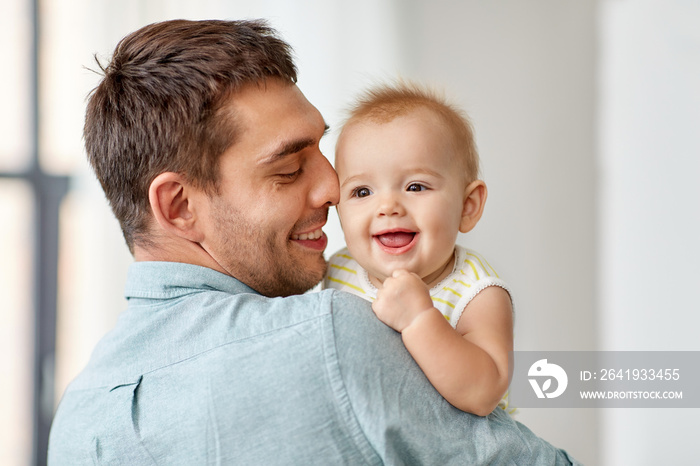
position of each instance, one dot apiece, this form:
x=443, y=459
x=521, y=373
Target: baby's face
x=401, y=196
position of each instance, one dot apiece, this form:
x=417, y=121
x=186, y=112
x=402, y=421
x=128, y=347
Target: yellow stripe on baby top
x=471, y=264
x=340, y=267
x=447, y=288
x=492, y=269
x=344, y=283
x=482, y=264
x=443, y=301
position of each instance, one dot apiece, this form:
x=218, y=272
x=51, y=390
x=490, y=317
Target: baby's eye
x=361, y=192
x=415, y=187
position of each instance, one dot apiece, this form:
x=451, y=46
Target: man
x=209, y=156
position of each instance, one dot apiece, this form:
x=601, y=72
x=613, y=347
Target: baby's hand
x=402, y=297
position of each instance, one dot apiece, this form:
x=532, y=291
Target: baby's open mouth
x=396, y=239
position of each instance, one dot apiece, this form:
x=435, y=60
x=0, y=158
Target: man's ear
x=170, y=196
x=474, y=201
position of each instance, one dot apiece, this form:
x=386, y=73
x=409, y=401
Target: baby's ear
x=474, y=201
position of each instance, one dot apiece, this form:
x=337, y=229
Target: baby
x=408, y=171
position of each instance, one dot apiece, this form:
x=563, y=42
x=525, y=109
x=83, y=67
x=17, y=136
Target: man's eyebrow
x=289, y=147
x=292, y=147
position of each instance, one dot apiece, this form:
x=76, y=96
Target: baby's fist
x=402, y=297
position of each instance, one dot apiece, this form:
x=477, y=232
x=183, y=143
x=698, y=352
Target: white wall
x=649, y=209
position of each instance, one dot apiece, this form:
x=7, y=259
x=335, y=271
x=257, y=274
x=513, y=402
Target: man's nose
x=325, y=190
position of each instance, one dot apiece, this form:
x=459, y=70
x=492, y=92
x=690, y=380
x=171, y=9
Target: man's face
x=264, y=226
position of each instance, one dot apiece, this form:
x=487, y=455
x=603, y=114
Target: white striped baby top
x=471, y=274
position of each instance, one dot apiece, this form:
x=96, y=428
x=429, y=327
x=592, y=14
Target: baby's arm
x=469, y=366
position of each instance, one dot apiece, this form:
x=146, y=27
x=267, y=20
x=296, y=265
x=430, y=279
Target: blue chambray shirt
x=202, y=370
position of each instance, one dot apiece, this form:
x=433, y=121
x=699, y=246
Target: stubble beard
x=260, y=260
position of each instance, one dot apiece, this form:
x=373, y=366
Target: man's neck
x=176, y=251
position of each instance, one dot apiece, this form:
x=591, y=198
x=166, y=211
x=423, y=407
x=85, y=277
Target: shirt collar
x=164, y=280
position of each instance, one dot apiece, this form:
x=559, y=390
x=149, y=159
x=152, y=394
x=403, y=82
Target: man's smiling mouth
x=313, y=235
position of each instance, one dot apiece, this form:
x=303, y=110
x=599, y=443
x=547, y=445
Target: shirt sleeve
x=404, y=418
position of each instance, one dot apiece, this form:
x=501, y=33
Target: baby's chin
x=377, y=279
x=430, y=278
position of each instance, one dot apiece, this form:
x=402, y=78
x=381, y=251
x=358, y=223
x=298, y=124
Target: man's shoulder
x=344, y=307
x=342, y=301
x=354, y=314
x=364, y=343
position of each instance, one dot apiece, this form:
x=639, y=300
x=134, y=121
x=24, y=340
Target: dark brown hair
x=162, y=106
x=383, y=103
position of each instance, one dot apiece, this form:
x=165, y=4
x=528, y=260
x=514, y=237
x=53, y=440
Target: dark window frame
x=49, y=191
